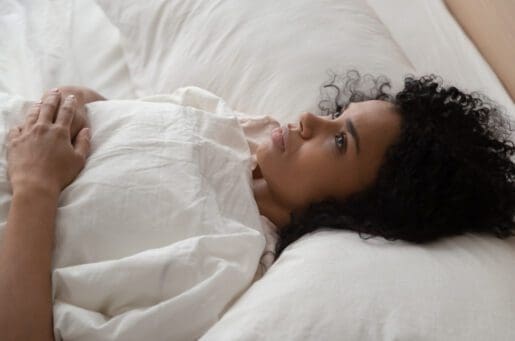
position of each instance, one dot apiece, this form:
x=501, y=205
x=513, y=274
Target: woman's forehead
x=375, y=122
x=373, y=105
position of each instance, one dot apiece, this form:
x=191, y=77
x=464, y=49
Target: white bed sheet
x=150, y=233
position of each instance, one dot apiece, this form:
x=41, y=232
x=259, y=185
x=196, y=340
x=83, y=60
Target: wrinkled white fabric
x=257, y=130
x=160, y=231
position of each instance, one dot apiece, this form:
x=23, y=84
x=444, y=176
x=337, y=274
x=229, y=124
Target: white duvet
x=160, y=232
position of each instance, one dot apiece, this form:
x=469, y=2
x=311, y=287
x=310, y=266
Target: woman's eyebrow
x=353, y=132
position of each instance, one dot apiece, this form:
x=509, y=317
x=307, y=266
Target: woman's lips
x=278, y=138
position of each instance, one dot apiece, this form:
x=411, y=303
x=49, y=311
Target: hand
x=83, y=95
x=40, y=153
x=80, y=119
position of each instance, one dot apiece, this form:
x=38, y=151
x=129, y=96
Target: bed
x=249, y=58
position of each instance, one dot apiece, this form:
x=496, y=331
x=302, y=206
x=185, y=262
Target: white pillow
x=262, y=57
x=331, y=285
x=151, y=233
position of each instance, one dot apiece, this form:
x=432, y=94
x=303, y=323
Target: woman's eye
x=340, y=141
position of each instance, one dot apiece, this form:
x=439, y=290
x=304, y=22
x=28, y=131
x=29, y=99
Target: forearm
x=25, y=266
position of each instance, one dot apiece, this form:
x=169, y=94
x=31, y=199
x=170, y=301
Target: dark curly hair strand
x=450, y=171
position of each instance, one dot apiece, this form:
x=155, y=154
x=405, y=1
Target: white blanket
x=160, y=232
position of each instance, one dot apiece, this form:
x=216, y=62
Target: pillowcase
x=160, y=225
x=332, y=285
x=263, y=57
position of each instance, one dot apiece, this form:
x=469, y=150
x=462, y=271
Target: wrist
x=45, y=192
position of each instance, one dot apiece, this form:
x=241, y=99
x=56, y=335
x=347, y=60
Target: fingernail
x=70, y=98
x=55, y=90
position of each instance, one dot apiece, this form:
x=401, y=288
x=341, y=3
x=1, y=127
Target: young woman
x=426, y=163
x=449, y=171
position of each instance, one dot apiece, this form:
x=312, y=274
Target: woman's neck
x=267, y=204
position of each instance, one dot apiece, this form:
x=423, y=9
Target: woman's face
x=329, y=158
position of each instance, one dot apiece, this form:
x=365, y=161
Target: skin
x=44, y=155
x=313, y=167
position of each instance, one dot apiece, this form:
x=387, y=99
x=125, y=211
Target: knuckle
x=35, y=108
x=41, y=128
x=33, y=115
x=81, y=159
x=66, y=109
x=49, y=106
x=12, y=142
x=61, y=131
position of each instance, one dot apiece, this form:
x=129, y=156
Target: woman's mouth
x=278, y=138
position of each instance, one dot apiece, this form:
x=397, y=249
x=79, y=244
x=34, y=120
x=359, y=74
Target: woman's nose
x=308, y=123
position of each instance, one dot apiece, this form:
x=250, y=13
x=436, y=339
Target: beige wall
x=490, y=24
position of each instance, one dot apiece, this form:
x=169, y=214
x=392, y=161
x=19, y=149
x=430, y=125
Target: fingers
x=32, y=115
x=49, y=106
x=67, y=112
x=54, y=108
x=82, y=143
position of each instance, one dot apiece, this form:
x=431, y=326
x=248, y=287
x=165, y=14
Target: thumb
x=82, y=143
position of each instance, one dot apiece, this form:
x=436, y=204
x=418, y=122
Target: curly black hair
x=450, y=172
